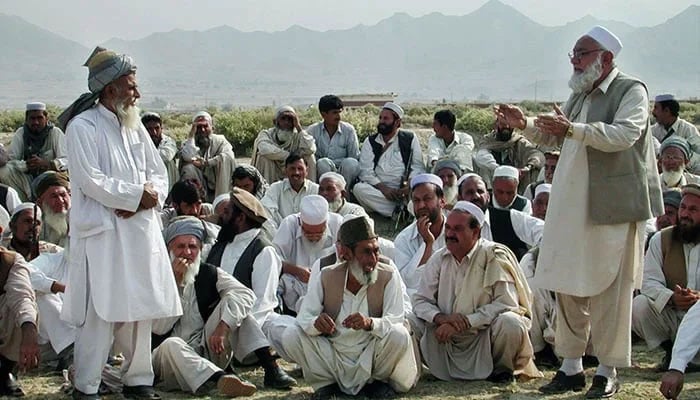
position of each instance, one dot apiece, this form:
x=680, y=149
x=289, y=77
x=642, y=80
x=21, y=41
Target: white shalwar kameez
x=120, y=276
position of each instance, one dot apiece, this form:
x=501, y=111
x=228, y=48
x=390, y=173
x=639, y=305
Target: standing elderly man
x=119, y=276
x=350, y=335
x=273, y=146
x=337, y=148
x=302, y=238
x=668, y=125
x=475, y=303
x=389, y=159
x=605, y=142
x=674, y=156
x=207, y=157
x=167, y=147
x=36, y=147
x=448, y=144
x=52, y=192
x=418, y=241
x=331, y=186
x=671, y=282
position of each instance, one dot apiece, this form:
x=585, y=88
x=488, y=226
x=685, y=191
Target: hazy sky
x=90, y=22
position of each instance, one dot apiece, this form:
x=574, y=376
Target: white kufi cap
x=506, y=171
x=36, y=106
x=426, y=178
x=471, y=208
x=543, y=188
x=395, y=108
x=606, y=39
x=313, y=209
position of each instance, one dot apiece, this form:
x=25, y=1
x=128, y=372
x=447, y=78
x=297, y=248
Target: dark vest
x=619, y=174
x=502, y=232
x=3, y=196
x=206, y=294
x=518, y=204
x=243, y=270
x=673, y=262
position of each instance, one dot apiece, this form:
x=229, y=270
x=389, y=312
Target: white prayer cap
x=664, y=97
x=465, y=177
x=426, y=178
x=335, y=177
x=36, y=106
x=395, y=108
x=284, y=109
x=219, y=199
x=471, y=208
x=25, y=206
x=606, y=39
x=313, y=209
x=202, y=114
x=506, y=171
x=543, y=188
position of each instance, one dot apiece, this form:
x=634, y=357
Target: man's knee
x=508, y=324
x=324, y=165
x=171, y=344
x=397, y=337
x=642, y=309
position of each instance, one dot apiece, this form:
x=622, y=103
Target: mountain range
x=492, y=54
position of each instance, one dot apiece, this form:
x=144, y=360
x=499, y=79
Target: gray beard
x=583, y=82
x=451, y=193
x=334, y=206
x=128, y=116
x=192, y=270
x=365, y=278
x=57, y=221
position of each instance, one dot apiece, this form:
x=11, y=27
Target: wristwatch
x=570, y=130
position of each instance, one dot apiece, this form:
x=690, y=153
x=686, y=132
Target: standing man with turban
x=597, y=244
x=273, y=146
x=37, y=146
x=120, y=278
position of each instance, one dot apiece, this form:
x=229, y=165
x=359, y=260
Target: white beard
x=192, y=270
x=128, y=115
x=334, y=205
x=365, y=278
x=671, y=178
x=451, y=193
x=583, y=82
x=58, y=221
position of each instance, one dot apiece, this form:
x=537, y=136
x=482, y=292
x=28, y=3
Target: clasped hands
x=450, y=325
x=149, y=199
x=325, y=324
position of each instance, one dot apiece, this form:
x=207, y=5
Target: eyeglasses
x=668, y=157
x=578, y=54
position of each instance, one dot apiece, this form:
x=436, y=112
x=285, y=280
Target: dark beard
x=156, y=140
x=686, y=234
x=228, y=232
x=202, y=141
x=504, y=135
x=384, y=129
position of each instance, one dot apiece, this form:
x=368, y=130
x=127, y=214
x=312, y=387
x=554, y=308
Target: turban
x=105, y=67
x=471, y=208
x=23, y=207
x=283, y=109
x=506, y=171
x=672, y=198
x=184, y=225
x=677, y=142
x=395, y=108
x=606, y=39
x=543, y=188
x=335, y=177
x=202, y=114
x=220, y=199
x=451, y=164
x=313, y=209
x=426, y=178
x=47, y=179
x=36, y=106
x=249, y=205
x=355, y=230
x=248, y=171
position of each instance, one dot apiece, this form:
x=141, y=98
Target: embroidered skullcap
x=606, y=39
x=664, y=97
x=426, y=178
x=451, y=164
x=36, y=106
x=471, y=208
x=355, y=230
x=283, y=109
x=677, y=142
x=543, y=188
x=672, y=197
x=202, y=114
x=47, y=179
x=506, y=171
x=395, y=108
x=335, y=177
x=249, y=205
x=313, y=209
x=184, y=225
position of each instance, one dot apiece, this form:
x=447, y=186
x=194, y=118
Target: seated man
x=9, y=198
x=672, y=201
x=448, y=144
x=674, y=157
x=283, y=197
x=219, y=215
x=388, y=160
x=513, y=228
x=207, y=157
x=36, y=147
x=52, y=192
x=248, y=178
x=551, y=158
x=669, y=124
x=215, y=326
x=25, y=228
x=350, y=335
x=337, y=148
x=449, y=172
x=18, y=322
x=505, y=147
x=273, y=146
x=185, y=200
x=505, y=190
x=418, y=241
x=541, y=200
x=167, y=147
x=331, y=186
x=475, y=303
x=686, y=348
x=671, y=283
x=301, y=239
